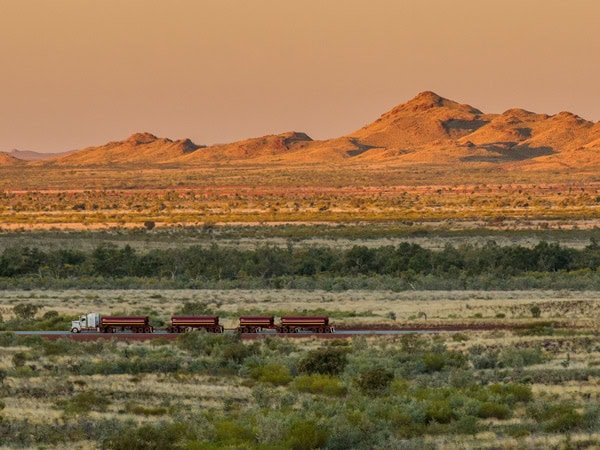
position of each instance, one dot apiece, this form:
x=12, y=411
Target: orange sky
x=77, y=73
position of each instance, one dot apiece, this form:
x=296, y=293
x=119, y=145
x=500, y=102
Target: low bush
x=138, y=409
x=84, y=403
x=489, y=410
x=232, y=432
x=306, y=435
x=483, y=358
x=514, y=357
x=557, y=417
x=148, y=437
x=273, y=373
x=439, y=411
x=201, y=343
x=512, y=392
x=320, y=384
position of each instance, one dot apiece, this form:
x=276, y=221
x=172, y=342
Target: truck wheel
x=75, y=330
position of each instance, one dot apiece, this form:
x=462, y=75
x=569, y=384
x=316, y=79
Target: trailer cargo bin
x=183, y=324
x=254, y=324
x=124, y=323
x=293, y=324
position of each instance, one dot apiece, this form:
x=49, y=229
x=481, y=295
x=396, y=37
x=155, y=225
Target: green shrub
x=161, y=436
x=439, y=411
x=375, y=381
x=60, y=347
x=8, y=339
x=490, y=410
x=513, y=392
x=238, y=352
x=273, y=373
x=466, y=425
x=460, y=337
x=517, y=430
x=84, y=402
x=557, y=417
x=434, y=362
x=514, y=357
x=201, y=343
x=136, y=408
x=483, y=358
x=320, y=384
x=229, y=431
x=327, y=361
x=306, y=435
x=50, y=315
x=195, y=309
x=19, y=359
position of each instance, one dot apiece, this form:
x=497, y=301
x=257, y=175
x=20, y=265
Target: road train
x=93, y=322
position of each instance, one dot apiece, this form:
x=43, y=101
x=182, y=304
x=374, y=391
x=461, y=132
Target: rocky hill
x=428, y=129
x=137, y=148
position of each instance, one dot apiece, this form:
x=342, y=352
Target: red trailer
x=313, y=324
x=254, y=324
x=135, y=324
x=183, y=324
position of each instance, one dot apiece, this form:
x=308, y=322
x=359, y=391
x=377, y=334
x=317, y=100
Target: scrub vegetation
x=478, y=389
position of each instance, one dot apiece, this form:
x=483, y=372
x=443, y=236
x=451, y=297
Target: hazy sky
x=76, y=73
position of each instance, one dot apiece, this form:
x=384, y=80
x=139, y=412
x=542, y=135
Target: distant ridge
x=428, y=129
x=27, y=155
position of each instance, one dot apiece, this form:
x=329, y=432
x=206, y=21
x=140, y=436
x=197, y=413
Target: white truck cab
x=88, y=322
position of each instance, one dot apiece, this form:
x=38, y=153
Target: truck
x=86, y=322
x=93, y=322
x=183, y=324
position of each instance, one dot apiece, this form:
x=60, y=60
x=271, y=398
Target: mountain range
x=428, y=129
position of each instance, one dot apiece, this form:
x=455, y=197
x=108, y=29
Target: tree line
x=270, y=262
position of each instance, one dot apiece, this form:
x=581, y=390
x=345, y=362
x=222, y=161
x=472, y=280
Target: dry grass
x=577, y=308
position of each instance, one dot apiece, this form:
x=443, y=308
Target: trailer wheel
x=147, y=330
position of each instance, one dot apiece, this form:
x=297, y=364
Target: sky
x=78, y=73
